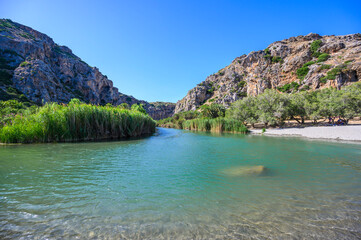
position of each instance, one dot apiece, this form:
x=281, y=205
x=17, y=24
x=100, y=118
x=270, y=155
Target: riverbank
x=347, y=133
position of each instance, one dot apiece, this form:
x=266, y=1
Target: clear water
x=173, y=186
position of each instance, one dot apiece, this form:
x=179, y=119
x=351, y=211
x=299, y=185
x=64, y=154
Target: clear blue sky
x=158, y=50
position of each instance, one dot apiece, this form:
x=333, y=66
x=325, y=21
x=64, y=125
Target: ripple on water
x=182, y=185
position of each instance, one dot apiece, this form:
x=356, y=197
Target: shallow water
x=175, y=185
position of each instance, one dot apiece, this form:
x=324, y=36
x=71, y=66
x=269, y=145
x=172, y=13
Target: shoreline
x=344, y=133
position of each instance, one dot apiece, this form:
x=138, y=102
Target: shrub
x=302, y=72
x=276, y=59
x=335, y=71
x=213, y=110
x=348, y=61
x=325, y=66
x=323, y=80
x=308, y=63
x=211, y=90
x=23, y=64
x=323, y=57
x=289, y=86
x=241, y=84
x=315, y=45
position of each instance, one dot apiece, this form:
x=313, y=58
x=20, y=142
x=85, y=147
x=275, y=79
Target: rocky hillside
x=34, y=68
x=299, y=63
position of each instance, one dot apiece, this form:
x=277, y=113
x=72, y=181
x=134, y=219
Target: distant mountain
x=34, y=68
x=299, y=63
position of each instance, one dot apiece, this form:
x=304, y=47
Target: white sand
x=349, y=133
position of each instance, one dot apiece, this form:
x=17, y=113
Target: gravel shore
x=348, y=133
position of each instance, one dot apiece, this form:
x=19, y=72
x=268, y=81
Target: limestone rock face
x=47, y=72
x=276, y=66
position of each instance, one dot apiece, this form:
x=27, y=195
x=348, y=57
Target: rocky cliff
x=34, y=68
x=295, y=64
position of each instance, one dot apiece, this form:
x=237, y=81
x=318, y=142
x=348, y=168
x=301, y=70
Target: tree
x=244, y=110
x=213, y=110
x=272, y=107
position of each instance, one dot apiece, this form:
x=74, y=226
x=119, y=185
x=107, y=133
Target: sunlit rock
x=245, y=171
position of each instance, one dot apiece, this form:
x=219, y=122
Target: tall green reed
x=76, y=122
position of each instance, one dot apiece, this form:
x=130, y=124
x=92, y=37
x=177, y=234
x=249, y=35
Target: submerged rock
x=245, y=171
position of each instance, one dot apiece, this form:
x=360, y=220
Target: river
x=182, y=185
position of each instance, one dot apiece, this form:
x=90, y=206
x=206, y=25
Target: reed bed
x=76, y=122
x=215, y=125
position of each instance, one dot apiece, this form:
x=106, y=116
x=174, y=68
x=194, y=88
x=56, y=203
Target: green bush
x=23, y=64
x=213, y=110
x=308, y=63
x=289, y=86
x=241, y=84
x=302, y=72
x=325, y=66
x=335, y=71
x=323, y=80
x=323, y=57
x=315, y=45
x=276, y=59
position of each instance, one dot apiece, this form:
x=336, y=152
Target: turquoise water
x=176, y=185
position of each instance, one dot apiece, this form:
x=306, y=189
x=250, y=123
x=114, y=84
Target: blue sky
x=158, y=50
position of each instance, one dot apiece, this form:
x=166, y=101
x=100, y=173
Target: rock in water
x=245, y=171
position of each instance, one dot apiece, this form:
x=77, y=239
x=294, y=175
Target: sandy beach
x=347, y=133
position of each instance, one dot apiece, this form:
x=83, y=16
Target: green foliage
x=139, y=108
x=335, y=71
x=241, y=84
x=272, y=108
x=263, y=130
x=323, y=80
x=27, y=35
x=221, y=73
x=323, y=57
x=267, y=51
x=302, y=72
x=215, y=125
x=308, y=63
x=348, y=61
x=325, y=66
x=315, y=45
x=276, y=59
x=211, y=90
x=289, y=86
x=7, y=23
x=124, y=106
x=213, y=110
x=75, y=122
x=23, y=64
x=8, y=109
